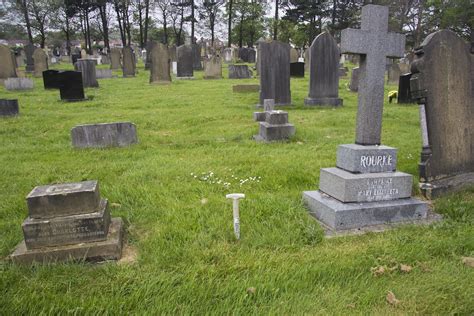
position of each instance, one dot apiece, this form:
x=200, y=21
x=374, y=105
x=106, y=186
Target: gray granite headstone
x=40, y=61
x=68, y=222
x=88, y=71
x=19, y=84
x=128, y=60
x=104, y=135
x=196, y=49
x=213, y=68
x=149, y=47
x=239, y=72
x=184, y=53
x=228, y=55
x=115, y=58
x=275, y=72
x=324, y=78
x=7, y=64
x=443, y=83
x=393, y=73
x=160, y=64
x=103, y=73
x=9, y=107
x=365, y=190
x=30, y=64
x=354, y=83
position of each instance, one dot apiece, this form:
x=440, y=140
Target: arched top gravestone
x=7, y=65
x=128, y=60
x=41, y=62
x=160, y=64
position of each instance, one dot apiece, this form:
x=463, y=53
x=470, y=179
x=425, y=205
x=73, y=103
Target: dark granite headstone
x=297, y=69
x=185, y=61
x=87, y=68
x=275, y=72
x=443, y=83
x=324, y=77
x=51, y=79
x=75, y=57
x=244, y=54
x=404, y=95
x=30, y=64
x=149, y=47
x=70, y=86
x=239, y=72
x=252, y=54
x=196, y=51
x=9, y=107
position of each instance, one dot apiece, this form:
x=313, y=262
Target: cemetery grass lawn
x=169, y=189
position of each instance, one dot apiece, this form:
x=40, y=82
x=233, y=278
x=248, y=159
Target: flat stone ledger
x=109, y=249
x=19, y=84
x=366, y=159
x=349, y=187
x=66, y=230
x=104, y=135
x=243, y=88
x=49, y=201
x=9, y=107
x=339, y=216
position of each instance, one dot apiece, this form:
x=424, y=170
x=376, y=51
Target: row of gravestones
x=363, y=190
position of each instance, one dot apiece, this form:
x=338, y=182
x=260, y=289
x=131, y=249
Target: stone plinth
x=9, y=107
x=104, y=135
x=13, y=84
x=273, y=126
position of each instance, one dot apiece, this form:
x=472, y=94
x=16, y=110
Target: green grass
x=181, y=227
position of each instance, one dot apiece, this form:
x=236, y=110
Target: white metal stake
x=235, y=208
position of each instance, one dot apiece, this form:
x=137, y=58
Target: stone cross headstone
x=41, y=62
x=160, y=64
x=68, y=222
x=184, y=54
x=87, y=68
x=30, y=64
x=324, y=77
x=7, y=64
x=213, y=68
x=275, y=72
x=443, y=84
x=364, y=189
x=128, y=59
x=9, y=107
x=19, y=84
x=354, y=83
x=115, y=58
x=71, y=88
x=273, y=124
x=103, y=135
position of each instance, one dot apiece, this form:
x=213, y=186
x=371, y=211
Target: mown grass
x=181, y=227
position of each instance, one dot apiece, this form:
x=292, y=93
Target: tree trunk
x=229, y=35
x=68, y=40
x=88, y=32
x=140, y=24
x=147, y=12
x=241, y=31
x=119, y=21
x=105, y=26
x=165, y=28
x=275, y=27
x=24, y=7
x=192, y=22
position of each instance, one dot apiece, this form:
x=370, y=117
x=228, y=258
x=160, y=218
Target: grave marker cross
x=373, y=43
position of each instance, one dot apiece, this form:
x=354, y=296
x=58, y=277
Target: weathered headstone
x=7, y=64
x=196, y=53
x=115, y=58
x=75, y=58
x=239, y=72
x=83, y=54
x=185, y=61
x=71, y=88
x=213, y=68
x=19, y=84
x=40, y=61
x=252, y=54
x=354, y=83
x=149, y=47
x=104, y=135
x=365, y=189
x=128, y=60
x=324, y=77
x=393, y=74
x=30, y=64
x=246, y=88
x=306, y=60
x=404, y=92
x=103, y=73
x=297, y=69
x=172, y=53
x=9, y=107
x=244, y=54
x=87, y=68
x=228, y=55
x=51, y=79
x=68, y=222
x=275, y=72
x=273, y=124
x=160, y=64
x=443, y=84
x=294, y=55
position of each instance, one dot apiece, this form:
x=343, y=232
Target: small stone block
x=365, y=187
x=366, y=159
x=268, y=104
x=276, y=117
x=19, y=84
x=343, y=216
x=259, y=116
x=104, y=135
x=245, y=88
x=270, y=132
x=50, y=201
x=109, y=249
x=9, y=107
x=67, y=230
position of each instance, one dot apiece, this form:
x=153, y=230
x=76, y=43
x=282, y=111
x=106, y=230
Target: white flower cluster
x=211, y=178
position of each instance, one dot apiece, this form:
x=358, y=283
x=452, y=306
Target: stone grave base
x=440, y=187
x=269, y=132
x=323, y=101
x=110, y=249
x=185, y=78
x=246, y=88
x=340, y=216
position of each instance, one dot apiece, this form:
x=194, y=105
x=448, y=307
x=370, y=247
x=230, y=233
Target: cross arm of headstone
x=354, y=41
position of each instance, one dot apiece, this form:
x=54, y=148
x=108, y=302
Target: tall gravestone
x=51, y=79
x=404, y=92
x=185, y=61
x=68, y=222
x=115, y=58
x=213, y=68
x=252, y=55
x=88, y=71
x=30, y=64
x=275, y=72
x=7, y=64
x=294, y=55
x=70, y=84
x=443, y=84
x=160, y=64
x=40, y=61
x=128, y=60
x=196, y=49
x=324, y=77
x=393, y=74
x=365, y=190
x=354, y=83
x=149, y=47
